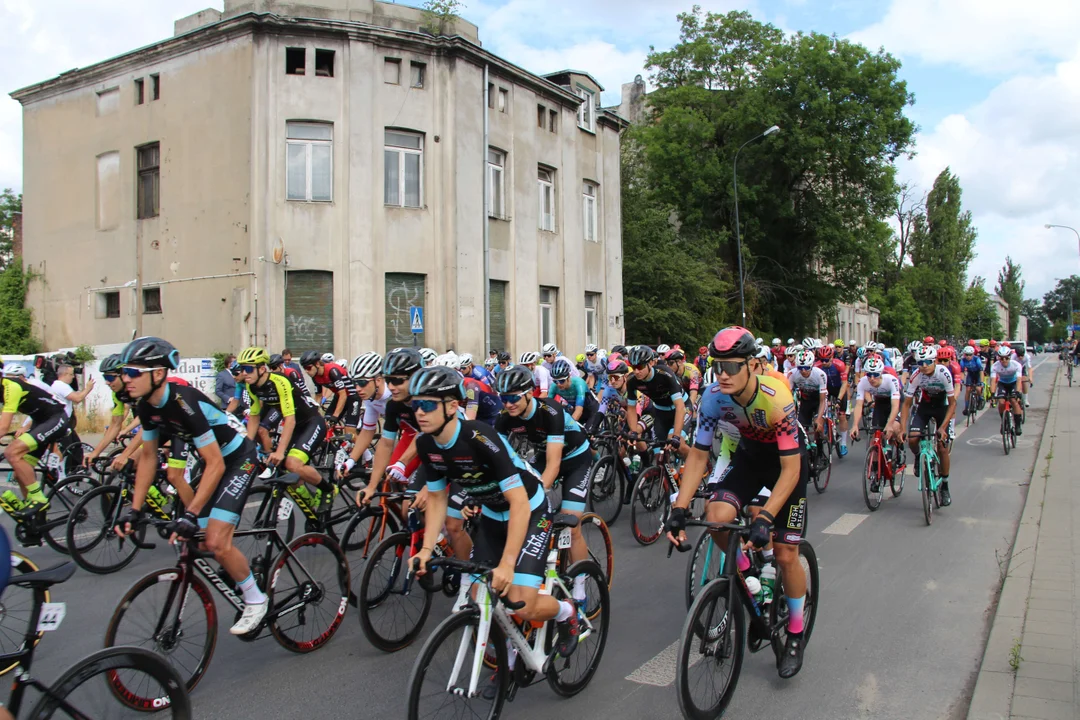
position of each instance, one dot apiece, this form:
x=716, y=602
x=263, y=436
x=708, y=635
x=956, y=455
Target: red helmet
x=1005, y=343
x=825, y=353
x=942, y=343
x=993, y=343
x=703, y=350
x=733, y=341
x=946, y=353
x=972, y=343
x=928, y=340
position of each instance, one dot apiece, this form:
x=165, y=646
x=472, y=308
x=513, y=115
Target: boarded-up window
x=403, y=291
x=108, y=190
x=108, y=101
x=309, y=311
x=497, y=321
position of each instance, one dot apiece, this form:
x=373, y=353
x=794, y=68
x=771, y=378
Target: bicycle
x=51, y=524
x=1008, y=429
x=610, y=479
x=1069, y=369
x=471, y=641
x=126, y=677
x=176, y=607
x=929, y=463
x=821, y=451
x=881, y=467
x=18, y=609
x=653, y=494
x=715, y=632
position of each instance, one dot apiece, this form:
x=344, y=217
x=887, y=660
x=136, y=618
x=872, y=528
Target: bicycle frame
x=877, y=445
x=928, y=450
x=25, y=656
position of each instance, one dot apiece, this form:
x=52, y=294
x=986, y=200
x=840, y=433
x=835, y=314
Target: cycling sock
x=579, y=587
x=795, y=614
x=767, y=553
x=252, y=594
x=566, y=610
x=843, y=439
x=34, y=494
x=742, y=561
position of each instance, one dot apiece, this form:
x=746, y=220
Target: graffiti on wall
x=399, y=298
x=309, y=331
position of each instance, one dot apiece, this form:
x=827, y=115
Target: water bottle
x=301, y=490
x=12, y=499
x=754, y=586
x=635, y=465
x=768, y=582
x=156, y=495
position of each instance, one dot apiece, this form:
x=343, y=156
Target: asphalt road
x=903, y=616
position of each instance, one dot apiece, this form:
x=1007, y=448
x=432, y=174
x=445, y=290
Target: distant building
x=1002, y=309
x=855, y=321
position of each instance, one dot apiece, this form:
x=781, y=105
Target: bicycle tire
x=703, y=566
x=89, y=532
x=466, y=621
x=872, y=475
x=606, y=489
x=597, y=607
x=168, y=579
x=597, y=538
x=778, y=608
x=331, y=594
x=927, y=492
x=821, y=477
x=653, y=494
x=17, y=609
x=714, y=624
x=111, y=662
x=381, y=588
x=362, y=535
x=1006, y=423
x=896, y=483
x=62, y=497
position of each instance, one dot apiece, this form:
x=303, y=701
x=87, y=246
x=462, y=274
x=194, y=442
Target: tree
x=901, y=321
x=1010, y=288
x=1056, y=303
x=10, y=203
x=813, y=198
x=440, y=16
x=16, y=337
x=1038, y=323
x=979, y=317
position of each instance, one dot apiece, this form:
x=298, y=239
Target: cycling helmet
x=503, y=356
x=14, y=371
x=517, y=379
x=838, y=343
x=709, y=377
x=804, y=360
x=276, y=361
x=798, y=348
x=1004, y=352
x=528, y=358
x=861, y=353
x=580, y=359
x=450, y=360
x=675, y=354
x=851, y=343
x=825, y=353
x=1020, y=349
x=759, y=341
x=309, y=358
x=733, y=341
x=428, y=355
x=489, y=363
x=928, y=340
x=913, y=346
x=560, y=370
x=874, y=365
x=150, y=352
x=327, y=358
x=549, y=349
x=969, y=351
x=790, y=351
x=661, y=349
x=776, y=342
x=791, y=341
x=253, y=356
x=984, y=343
x=590, y=348
x=926, y=352
x=946, y=353
x=617, y=366
x=108, y=364
x=621, y=349
x=366, y=366
x=764, y=353
x=641, y=354
x=809, y=343
x=439, y=381
x=464, y=360
x=402, y=361
x=942, y=343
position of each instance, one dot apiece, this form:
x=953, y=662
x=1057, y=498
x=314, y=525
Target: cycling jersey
x=610, y=397
x=36, y=402
x=574, y=372
x=889, y=388
x=374, y=409
x=296, y=378
x=835, y=374
x=815, y=384
x=689, y=378
x=1006, y=373
x=187, y=414
x=399, y=416
x=933, y=388
x=541, y=380
x=334, y=378
x=767, y=423
x=278, y=393
x=121, y=401
x=954, y=368
x=482, y=374
x=573, y=394
x=545, y=421
x=972, y=367
x=662, y=388
x=479, y=395
x=597, y=369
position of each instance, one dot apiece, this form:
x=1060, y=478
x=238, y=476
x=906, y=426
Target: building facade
x=309, y=175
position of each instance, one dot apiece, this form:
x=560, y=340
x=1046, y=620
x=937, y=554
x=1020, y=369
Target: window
x=592, y=313
x=553, y=121
x=309, y=310
x=496, y=205
x=108, y=304
x=403, y=169
x=417, y=73
x=295, y=61
x=546, y=183
x=139, y=99
x=504, y=100
x=108, y=101
x=155, y=87
x=148, y=187
x=497, y=314
x=151, y=301
x=324, y=63
x=402, y=292
x=548, y=297
x=586, y=115
x=391, y=73
x=309, y=172
x=588, y=206
x=541, y=116
x=108, y=190
x=491, y=95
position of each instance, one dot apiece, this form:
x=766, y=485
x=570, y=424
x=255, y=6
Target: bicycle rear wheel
x=308, y=593
x=62, y=499
x=896, y=483
x=606, y=489
x=393, y=607
x=262, y=513
x=711, y=649
x=598, y=539
x=89, y=534
x=16, y=609
x=362, y=535
x=873, y=490
x=1006, y=428
x=704, y=565
x=136, y=679
x=650, y=506
x=569, y=676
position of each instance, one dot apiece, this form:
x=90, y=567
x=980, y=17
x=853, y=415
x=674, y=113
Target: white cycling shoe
x=250, y=619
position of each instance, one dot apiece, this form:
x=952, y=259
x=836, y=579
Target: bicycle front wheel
x=872, y=489
x=569, y=676
x=1006, y=428
x=704, y=565
x=598, y=539
x=16, y=610
x=90, y=538
x=711, y=649
x=606, y=489
x=897, y=481
x=62, y=499
x=393, y=607
x=308, y=592
x=927, y=493
x=824, y=465
x=439, y=682
x=650, y=506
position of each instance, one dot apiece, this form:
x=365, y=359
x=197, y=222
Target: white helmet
x=342, y=361
x=763, y=353
x=759, y=341
x=914, y=345
x=798, y=348
x=590, y=348
x=14, y=371
x=925, y=352
x=661, y=349
x=549, y=349
x=775, y=342
x=528, y=358
x=874, y=365
x=791, y=341
x=327, y=358
x=1004, y=351
x=968, y=350
x=449, y=360
x=429, y=356
x=366, y=366
x=709, y=377
x=805, y=359
x=464, y=361
x=810, y=343
x=490, y=362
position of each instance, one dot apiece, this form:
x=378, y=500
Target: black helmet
x=438, y=381
x=621, y=349
x=641, y=354
x=733, y=341
x=150, y=352
x=560, y=370
x=403, y=361
x=109, y=364
x=503, y=356
x=514, y=380
x=309, y=358
x=276, y=361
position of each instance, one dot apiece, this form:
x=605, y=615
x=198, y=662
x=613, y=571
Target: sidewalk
x=1031, y=667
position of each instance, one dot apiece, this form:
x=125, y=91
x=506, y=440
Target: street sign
x=416, y=319
x=1073, y=328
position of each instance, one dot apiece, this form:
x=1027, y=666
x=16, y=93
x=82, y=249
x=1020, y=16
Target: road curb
x=992, y=698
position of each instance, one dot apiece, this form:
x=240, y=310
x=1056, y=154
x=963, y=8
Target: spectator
x=61, y=387
x=287, y=361
x=225, y=383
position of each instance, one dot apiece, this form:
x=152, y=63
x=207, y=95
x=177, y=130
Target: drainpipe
x=484, y=220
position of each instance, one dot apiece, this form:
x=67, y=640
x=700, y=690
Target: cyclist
x=481, y=400
x=760, y=364
x=701, y=362
x=395, y=453
x=761, y=413
x=366, y=374
x=687, y=374
x=110, y=373
x=541, y=376
x=667, y=404
x=514, y=528
x=572, y=392
x=229, y=459
x=558, y=449
x=502, y=362
x=883, y=391
x=971, y=365
x=937, y=399
x=278, y=365
x=595, y=367
x=836, y=376
x=1021, y=356
x=613, y=394
x=468, y=369
x=330, y=377
x=1004, y=377
x=810, y=385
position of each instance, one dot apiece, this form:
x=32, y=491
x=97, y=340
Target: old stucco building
x=303, y=174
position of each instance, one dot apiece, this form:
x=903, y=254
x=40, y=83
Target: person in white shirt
x=61, y=388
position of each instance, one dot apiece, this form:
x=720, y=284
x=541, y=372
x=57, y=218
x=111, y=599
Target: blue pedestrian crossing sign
x=416, y=319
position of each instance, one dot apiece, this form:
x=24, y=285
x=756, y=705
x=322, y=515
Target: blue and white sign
x=416, y=319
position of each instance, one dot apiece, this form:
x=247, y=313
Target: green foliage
x=812, y=198
x=1038, y=323
x=219, y=360
x=10, y=203
x=16, y=334
x=1010, y=288
x=441, y=15
x=979, y=317
x=84, y=354
x=1056, y=302
x=900, y=322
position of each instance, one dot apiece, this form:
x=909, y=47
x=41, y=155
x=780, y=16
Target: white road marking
x=845, y=524
x=659, y=670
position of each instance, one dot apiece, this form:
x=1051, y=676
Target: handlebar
x=473, y=568
x=737, y=528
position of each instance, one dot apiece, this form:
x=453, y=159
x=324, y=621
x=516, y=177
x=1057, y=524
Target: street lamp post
x=1077, y=233
x=738, y=238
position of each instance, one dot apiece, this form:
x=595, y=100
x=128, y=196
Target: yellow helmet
x=253, y=356
x=838, y=343
x=984, y=343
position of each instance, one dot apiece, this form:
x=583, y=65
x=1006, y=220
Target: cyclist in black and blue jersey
x=572, y=391
x=665, y=393
x=972, y=367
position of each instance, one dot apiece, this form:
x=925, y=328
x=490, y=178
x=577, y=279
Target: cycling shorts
x=973, y=377
x=1004, y=388
x=45, y=433
x=489, y=541
x=270, y=419
x=842, y=402
x=882, y=412
x=740, y=484
x=808, y=410
x=307, y=439
x=575, y=483
x=351, y=414
x=663, y=421
x=922, y=416
x=232, y=490
x=178, y=454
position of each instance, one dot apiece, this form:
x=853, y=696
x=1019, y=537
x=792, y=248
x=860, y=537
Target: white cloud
x=984, y=36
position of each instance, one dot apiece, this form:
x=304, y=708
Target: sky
x=996, y=84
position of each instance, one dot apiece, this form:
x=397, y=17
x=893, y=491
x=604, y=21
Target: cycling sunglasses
x=308, y=367
x=592, y=354
x=924, y=363
x=134, y=372
x=561, y=381
x=731, y=368
x=361, y=382
x=642, y=366
x=247, y=368
x=109, y=377
x=873, y=375
x=426, y=406
x=395, y=380
x=511, y=399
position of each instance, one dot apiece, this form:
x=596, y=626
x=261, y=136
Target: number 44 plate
x=52, y=614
